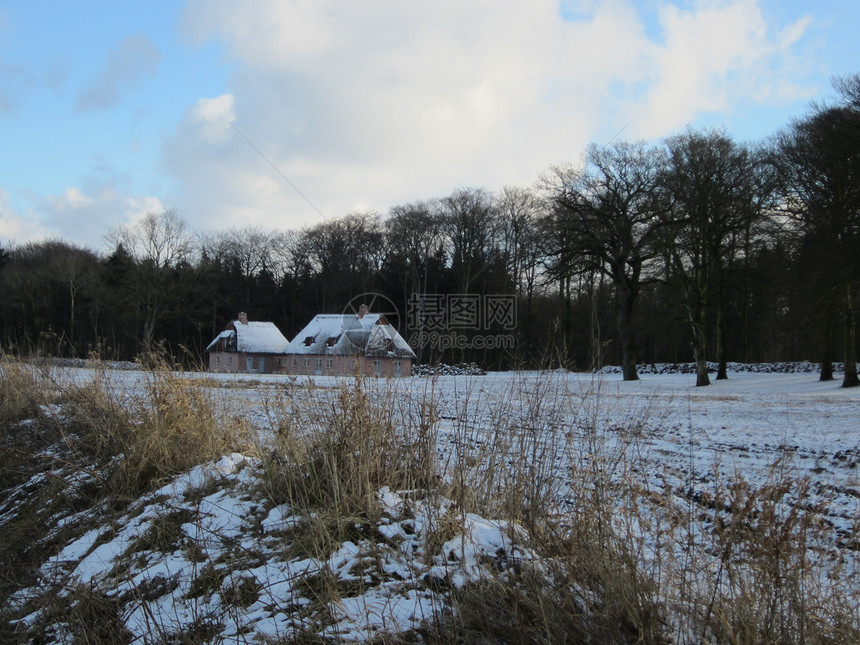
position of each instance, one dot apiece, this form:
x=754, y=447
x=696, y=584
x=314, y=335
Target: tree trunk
x=850, y=379
x=721, y=345
x=626, y=303
x=700, y=344
x=72, y=292
x=827, y=352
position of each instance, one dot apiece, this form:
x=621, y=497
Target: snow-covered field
x=676, y=438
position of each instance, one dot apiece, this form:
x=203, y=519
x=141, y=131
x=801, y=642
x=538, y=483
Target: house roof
x=345, y=334
x=253, y=337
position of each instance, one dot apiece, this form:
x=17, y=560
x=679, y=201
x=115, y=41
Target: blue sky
x=111, y=110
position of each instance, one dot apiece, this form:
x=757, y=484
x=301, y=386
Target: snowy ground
x=257, y=588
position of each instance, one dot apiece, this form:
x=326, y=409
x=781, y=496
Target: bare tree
x=613, y=209
x=159, y=243
x=469, y=219
x=345, y=255
x=247, y=251
x=706, y=178
x=820, y=172
x=520, y=212
x=413, y=240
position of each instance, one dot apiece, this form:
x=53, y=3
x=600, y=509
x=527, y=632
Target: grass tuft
x=167, y=428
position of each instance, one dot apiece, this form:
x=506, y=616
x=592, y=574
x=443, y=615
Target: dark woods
x=699, y=249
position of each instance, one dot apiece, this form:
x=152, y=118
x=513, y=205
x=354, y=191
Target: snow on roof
x=227, y=333
x=384, y=340
x=254, y=337
x=339, y=334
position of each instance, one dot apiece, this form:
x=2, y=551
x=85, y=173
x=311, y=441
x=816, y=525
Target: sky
x=280, y=114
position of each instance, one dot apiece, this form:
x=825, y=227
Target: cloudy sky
x=279, y=113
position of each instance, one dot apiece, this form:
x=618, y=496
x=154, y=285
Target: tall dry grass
x=334, y=452
x=160, y=427
x=626, y=560
x=23, y=390
x=623, y=556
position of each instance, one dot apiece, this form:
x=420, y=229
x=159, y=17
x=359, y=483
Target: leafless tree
x=470, y=220
x=612, y=208
x=820, y=174
x=707, y=179
x=520, y=212
x=345, y=254
x=159, y=243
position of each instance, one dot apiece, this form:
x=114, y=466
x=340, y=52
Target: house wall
x=344, y=365
x=224, y=362
x=237, y=362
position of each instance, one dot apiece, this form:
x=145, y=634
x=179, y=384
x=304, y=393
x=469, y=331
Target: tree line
x=697, y=248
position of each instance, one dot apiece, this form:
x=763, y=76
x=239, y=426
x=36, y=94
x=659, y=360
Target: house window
x=217, y=361
x=377, y=368
x=398, y=368
x=354, y=364
x=306, y=362
x=319, y=366
x=295, y=362
x=230, y=361
x=329, y=363
x=262, y=364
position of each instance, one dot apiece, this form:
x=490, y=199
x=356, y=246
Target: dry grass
x=757, y=571
x=97, y=447
x=622, y=562
x=333, y=454
x=23, y=390
x=619, y=560
x=163, y=430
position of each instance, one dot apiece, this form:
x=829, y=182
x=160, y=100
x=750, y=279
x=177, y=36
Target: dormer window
x=331, y=341
x=308, y=341
x=390, y=344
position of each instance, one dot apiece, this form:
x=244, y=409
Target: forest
x=697, y=248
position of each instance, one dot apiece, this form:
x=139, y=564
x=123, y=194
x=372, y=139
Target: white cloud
x=86, y=216
x=83, y=216
x=383, y=102
x=213, y=118
x=15, y=226
x=715, y=55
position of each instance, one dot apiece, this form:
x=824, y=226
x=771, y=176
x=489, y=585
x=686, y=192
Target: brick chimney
x=361, y=311
x=243, y=318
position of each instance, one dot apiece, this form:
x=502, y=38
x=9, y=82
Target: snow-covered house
x=347, y=344
x=248, y=346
